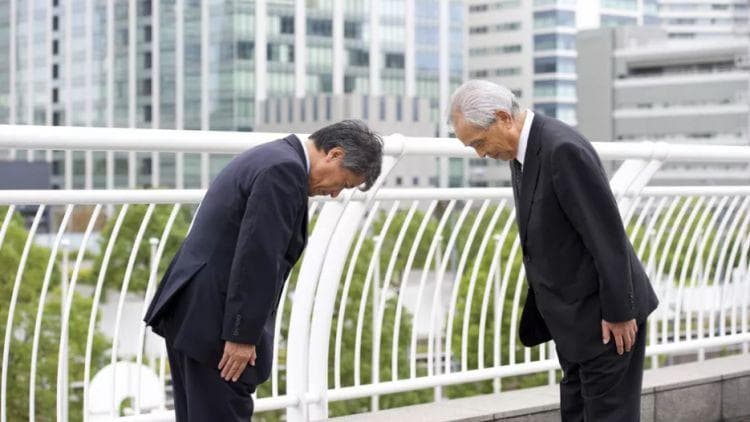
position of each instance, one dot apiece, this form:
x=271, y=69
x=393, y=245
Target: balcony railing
x=402, y=296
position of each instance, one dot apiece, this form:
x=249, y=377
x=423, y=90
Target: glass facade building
x=209, y=65
x=535, y=41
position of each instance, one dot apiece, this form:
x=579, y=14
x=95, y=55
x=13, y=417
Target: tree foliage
x=24, y=320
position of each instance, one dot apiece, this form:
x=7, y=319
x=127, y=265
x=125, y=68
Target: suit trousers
x=606, y=387
x=200, y=394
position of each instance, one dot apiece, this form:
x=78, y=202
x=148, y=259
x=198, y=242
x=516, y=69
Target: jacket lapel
x=530, y=176
x=297, y=146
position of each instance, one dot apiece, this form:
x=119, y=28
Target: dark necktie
x=516, y=175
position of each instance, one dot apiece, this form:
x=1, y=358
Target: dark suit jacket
x=580, y=265
x=226, y=280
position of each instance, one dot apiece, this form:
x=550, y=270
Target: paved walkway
x=713, y=390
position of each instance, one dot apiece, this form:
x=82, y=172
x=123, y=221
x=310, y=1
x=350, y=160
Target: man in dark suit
x=217, y=301
x=587, y=289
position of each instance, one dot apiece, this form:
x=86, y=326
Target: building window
x=508, y=26
x=394, y=61
x=415, y=109
x=315, y=109
x=122, y=36
x=146, y=8
x=55, y=47
x=278, y=111
x=320, y=27
x=508, y=71
x=358, y=57
x=147, y=60
x=554, y=65
x=55, y=71
x=365, y=107
x=349, y=83
x=147, y=33
x=146, y=166
x=352, y=30
x=245, y=49
x=552, y=18
x=328, y=108
x=399, y=181
x=290, y=110
x=55, y=95
x=266, y=111
x=302, y=110
x=147, y=113
x=415, y=181
x=554, y=42
x=382, y=108
x=145, y=87
x=399, y=109
x=613, y=20
x=55, y=23
x=57, y=118
x=287, y=24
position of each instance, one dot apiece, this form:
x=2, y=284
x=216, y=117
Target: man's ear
x=335, y=153
x=505, y=119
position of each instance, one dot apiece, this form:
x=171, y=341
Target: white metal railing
x=421, y=289
x=65, y=144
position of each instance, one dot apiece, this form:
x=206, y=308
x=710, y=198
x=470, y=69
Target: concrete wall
x=712, y=390
x=594, y=87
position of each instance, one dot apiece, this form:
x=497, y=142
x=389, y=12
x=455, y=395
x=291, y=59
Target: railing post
x=325, y=299
x=348, y=216
x=551, y=374
x=375, y=370
x=436, y=321
x=153, y=270
x=497, y=383
x=298, y=363
x=64, y=346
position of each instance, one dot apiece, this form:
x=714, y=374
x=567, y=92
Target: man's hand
x=236, y=357
x=623, y=332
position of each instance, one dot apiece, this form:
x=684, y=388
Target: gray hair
x=363, y=148
x=477, y=101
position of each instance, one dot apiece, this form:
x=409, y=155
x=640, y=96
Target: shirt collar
x=523, y=140
x=307, y=153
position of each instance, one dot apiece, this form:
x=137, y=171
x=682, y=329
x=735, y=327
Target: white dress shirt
x=524, y=139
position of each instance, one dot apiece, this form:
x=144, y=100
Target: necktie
x=516, y=175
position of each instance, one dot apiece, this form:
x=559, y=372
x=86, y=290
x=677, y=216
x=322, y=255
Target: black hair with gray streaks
x=363, y=148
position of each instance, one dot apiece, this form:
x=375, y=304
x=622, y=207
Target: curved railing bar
x=457, y=282
x=345, y=292
x=40, y=311
x=472, y=283
x=147, y=299
x=95, y=306
x=121, y=301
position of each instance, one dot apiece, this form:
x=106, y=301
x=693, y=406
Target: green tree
x=126, y=241
x=49, y=341
x=483, y=277
x=695, y=222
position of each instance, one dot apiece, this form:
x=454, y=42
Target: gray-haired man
x=587, y=289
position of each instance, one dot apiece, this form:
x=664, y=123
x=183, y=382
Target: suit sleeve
x=583, y=191
x=266, y=229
